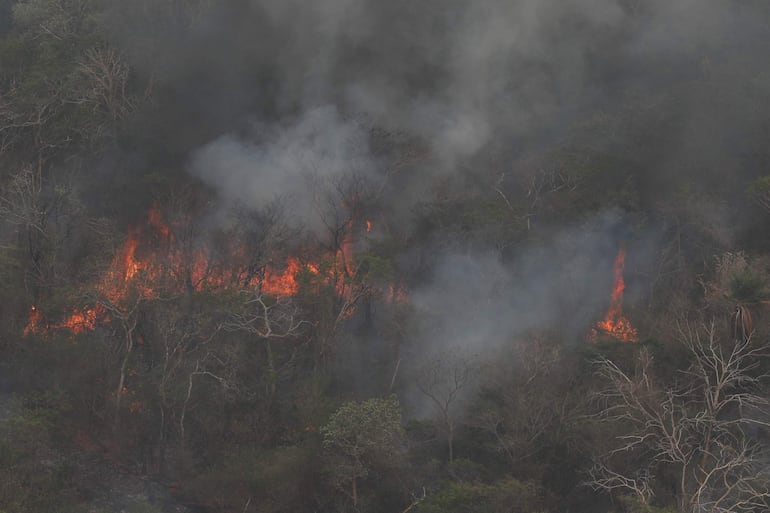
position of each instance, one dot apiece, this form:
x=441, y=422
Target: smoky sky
x=462, y=77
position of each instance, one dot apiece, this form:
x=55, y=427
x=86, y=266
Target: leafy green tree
x=360, y=437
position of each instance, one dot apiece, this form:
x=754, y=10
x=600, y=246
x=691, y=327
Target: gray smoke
x=462, y=77
x=476, y=308
x=291, y=161
x=480, y=85
x=476, y=303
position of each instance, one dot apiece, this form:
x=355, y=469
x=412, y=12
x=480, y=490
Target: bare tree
x=267, y=319
x=339, y=204
x=107, y=75
x=127, y=315
x=43, y=217
x=204, y=367
x=696, y=429
x=263, y=237
x=530, y=405
x=442, y=381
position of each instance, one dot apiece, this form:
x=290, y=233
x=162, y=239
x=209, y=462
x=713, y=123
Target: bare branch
x=694, y=428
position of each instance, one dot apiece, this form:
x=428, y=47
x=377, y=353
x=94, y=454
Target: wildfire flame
x=35, y=324
x=615, y=324
x=139, y=269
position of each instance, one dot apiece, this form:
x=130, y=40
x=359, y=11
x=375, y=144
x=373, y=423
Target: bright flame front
x=146, y=270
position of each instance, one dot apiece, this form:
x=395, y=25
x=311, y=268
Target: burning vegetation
x=615, y=325
x=152, y=264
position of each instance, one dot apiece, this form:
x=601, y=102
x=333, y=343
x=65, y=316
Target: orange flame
x=397, y=294
x=282, y=283
x=82, y=320
x=77, y=322
x=615, y=324
x=35, y=324
x=141, y=268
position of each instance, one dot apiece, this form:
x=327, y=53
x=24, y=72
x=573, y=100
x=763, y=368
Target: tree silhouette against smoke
x=442, y=381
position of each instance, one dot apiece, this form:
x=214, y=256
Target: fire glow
x=615, y=324
x=143, y=269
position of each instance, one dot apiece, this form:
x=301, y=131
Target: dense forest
x=494, y=256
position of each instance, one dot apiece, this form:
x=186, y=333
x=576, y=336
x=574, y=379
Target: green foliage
x=274, y=474
x=361, y=437
x=364, y=433
x=504, y=496
x=747, y=286
x=759, y=189
x=34, y=475
x=34, y=423
x=373, y=268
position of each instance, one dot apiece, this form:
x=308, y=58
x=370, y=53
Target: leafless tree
x=42, y=217
x=263, y=235
x=443, y=381
x=107, y=75
x=204, y=367
x=534, y=399
x=267, y=319
x=696, y=429
x=126, y=314
x=21, y=202
x=339, y=203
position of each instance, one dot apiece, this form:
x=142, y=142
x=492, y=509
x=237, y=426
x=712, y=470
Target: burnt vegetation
x=384, y=257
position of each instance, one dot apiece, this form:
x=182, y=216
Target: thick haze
x=479, y=84
x=277, y=97
x=473, y=80
x=482, y=160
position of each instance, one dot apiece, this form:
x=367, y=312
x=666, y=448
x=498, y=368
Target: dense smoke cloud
x=477, y=82
x=461, y=76
x=291, y=161
x=475, y=303
x=469, y=79
x=475, y=307
x=456, y=75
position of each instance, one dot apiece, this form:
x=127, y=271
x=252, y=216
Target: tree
x=530, y=412
x=339, y=203
x=442, y=381
x=691, y=437
x=267, y=319
x=360, y=437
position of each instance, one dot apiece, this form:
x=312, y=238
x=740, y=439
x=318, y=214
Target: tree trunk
x=122, y=380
